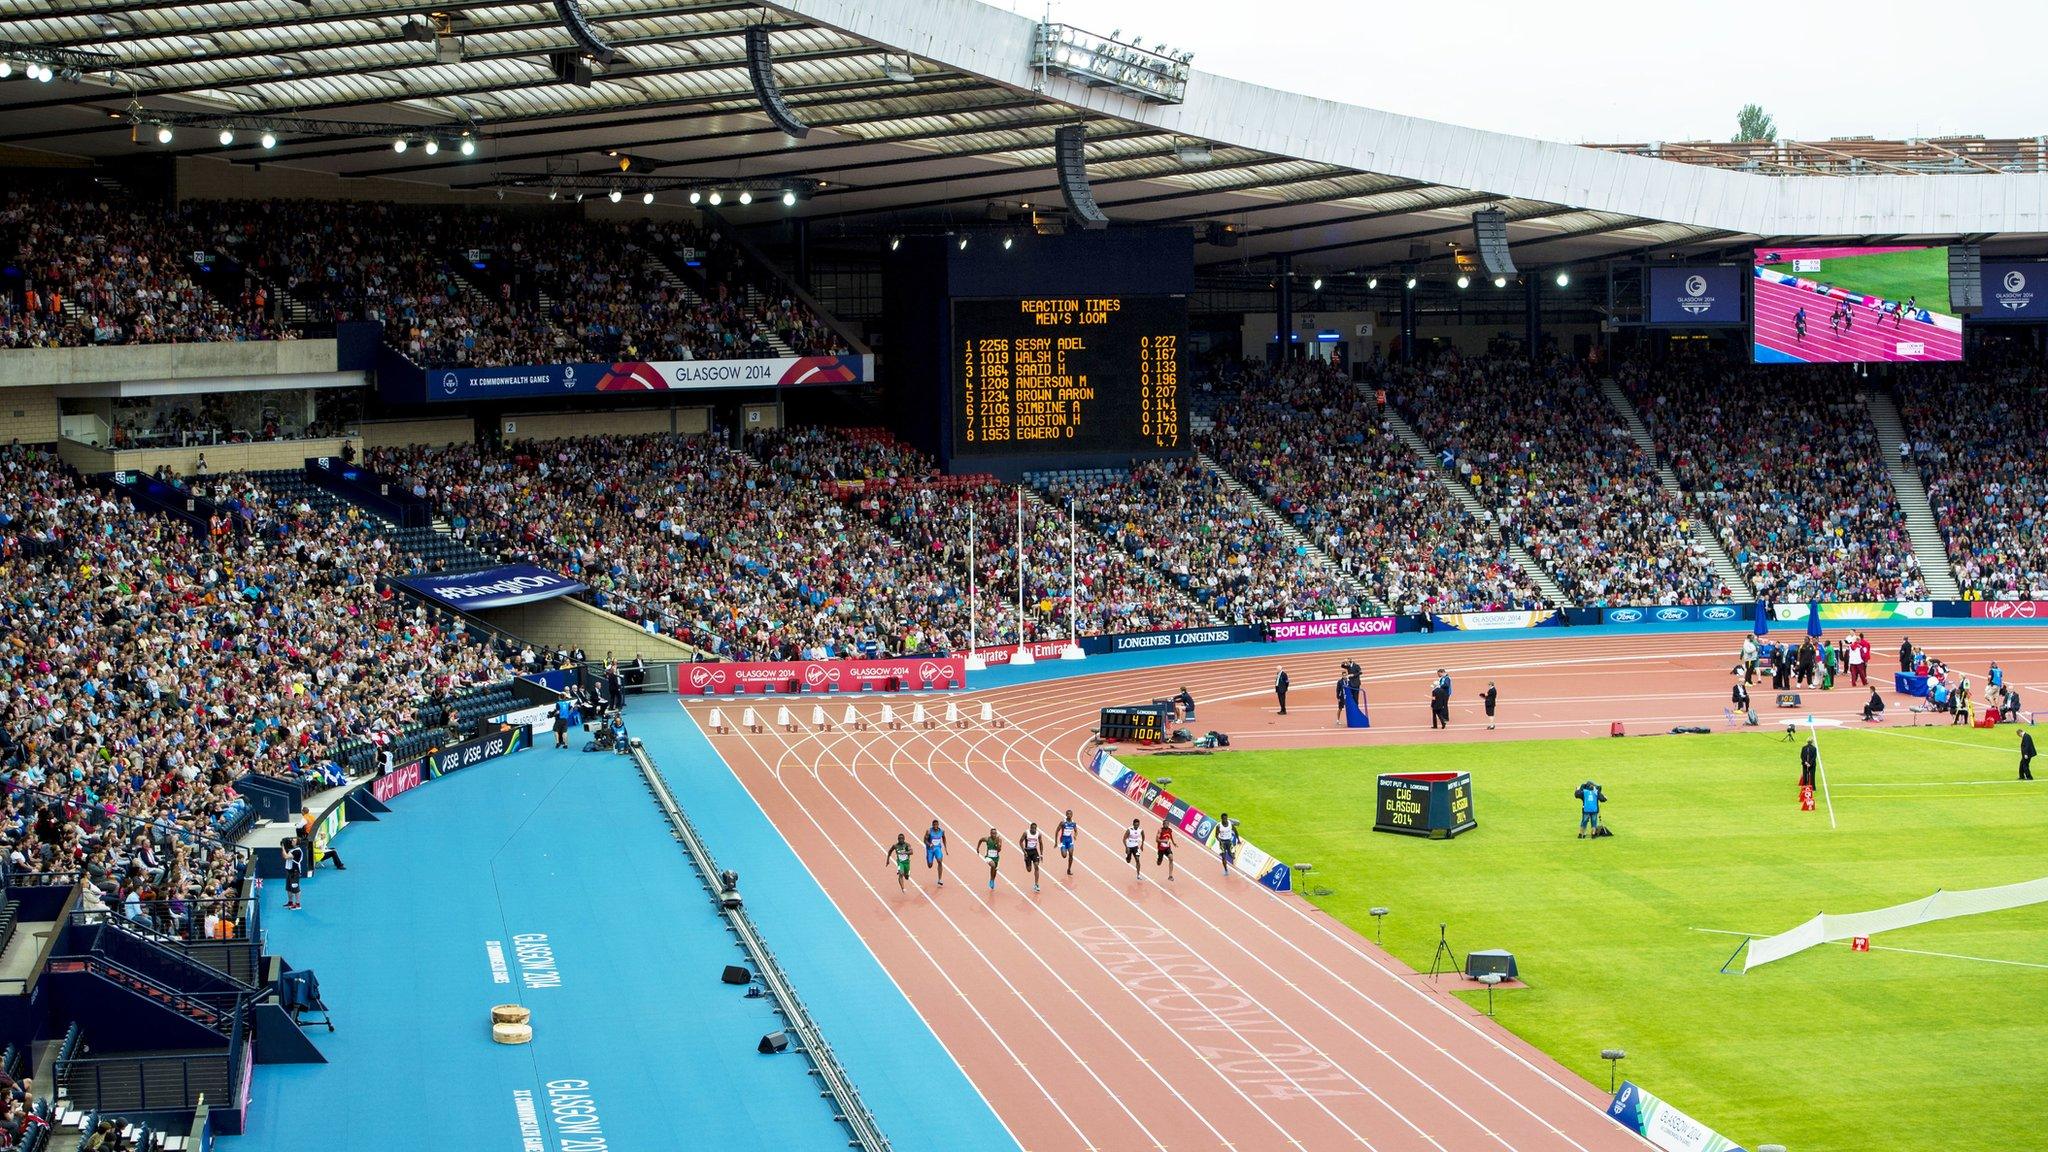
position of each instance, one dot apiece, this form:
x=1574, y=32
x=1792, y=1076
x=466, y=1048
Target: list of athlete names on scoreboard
x=1069, y=373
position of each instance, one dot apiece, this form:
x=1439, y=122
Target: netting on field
x=1943, y=905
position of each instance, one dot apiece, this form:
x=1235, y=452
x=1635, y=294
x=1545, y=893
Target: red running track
x=1867, y=340
x=1108, y=1012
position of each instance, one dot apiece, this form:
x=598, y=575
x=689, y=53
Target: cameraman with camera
x=1590, y=798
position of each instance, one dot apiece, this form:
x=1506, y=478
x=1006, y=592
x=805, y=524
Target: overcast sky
x=1583, y=71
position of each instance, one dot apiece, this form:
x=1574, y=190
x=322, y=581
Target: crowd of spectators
x=473, y=286
x=1315, y=447
x=739, y=556
x=1980, y=442
x=1210, y=538
x=1542, y=447
x=99, y=267
x=145, y=665
x=1788, y=470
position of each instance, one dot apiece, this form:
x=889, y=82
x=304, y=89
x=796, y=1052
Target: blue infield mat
x=560, y=863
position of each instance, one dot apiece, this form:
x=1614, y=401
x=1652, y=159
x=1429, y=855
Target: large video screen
x=1046, y=374
x=1852, y=306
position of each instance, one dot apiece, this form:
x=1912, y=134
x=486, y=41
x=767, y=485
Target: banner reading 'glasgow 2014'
x=443, y=385
x=1702, y=294
x=2014, y=291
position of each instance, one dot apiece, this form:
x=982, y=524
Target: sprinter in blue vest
x=935, y=850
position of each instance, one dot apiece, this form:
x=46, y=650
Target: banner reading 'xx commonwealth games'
x=1851, y=611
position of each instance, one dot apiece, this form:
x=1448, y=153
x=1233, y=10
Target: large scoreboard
x=1068, y=373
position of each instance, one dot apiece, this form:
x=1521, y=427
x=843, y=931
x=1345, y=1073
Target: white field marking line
x=2013, y=751
x=1315, y=1003
x=1025, y=948
x=1349, y=943
x=1265, y=926
x=1009, y=742
x=1889, y=948
x=1113, y=978
x=862, y=878
x=884, y=968
x=1935, y=783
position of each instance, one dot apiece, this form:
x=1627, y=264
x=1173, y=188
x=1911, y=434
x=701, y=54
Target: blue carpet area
x=638, y=1031
x=917, y=1093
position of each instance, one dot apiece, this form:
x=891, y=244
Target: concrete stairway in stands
x=755, y=303
x=1288, y=531
x=1703, y=532
x=1474, y=507
x=1921, y=527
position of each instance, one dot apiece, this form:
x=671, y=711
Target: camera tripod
x=1443, y=952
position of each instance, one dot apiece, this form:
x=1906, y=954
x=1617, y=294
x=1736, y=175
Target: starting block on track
x=717, y=723
x=853, y=719
x=783, y=718
x=818, y=720
x=752, y=721
x=889, y=716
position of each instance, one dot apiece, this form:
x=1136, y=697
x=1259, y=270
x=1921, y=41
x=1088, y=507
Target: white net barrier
x=1943, y=905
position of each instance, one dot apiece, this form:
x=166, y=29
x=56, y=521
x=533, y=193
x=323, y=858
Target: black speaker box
x=734, y=974
x=1070, y=154
x=1490, y=230
x=1965, y=279
x=776, y=1041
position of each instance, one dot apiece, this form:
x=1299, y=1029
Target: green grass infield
x=1827, y=1051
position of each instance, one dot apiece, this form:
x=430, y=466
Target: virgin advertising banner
x=2021, y=610
x=910, y=673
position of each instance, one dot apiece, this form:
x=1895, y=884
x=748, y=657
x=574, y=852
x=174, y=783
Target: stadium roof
x=923, y=112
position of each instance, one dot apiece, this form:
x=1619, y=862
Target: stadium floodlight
x=963, y=243
x=227, y=137
x=788, y=198
x=433, y=146
x=895, y=242
x=746, y=197
x=399, y=145
x=696, y=197
x=164, y=135
x=579, y=197
x=268, y=141
x=647, y=197
x=554, y=194
x=1500, y=281
x=1316, y=285
x=1564, y=279
x=1464, y=281
x=1007, y=241
x=614, y=195
x=468, y=147
x=1411, y=283
x=1371, y=282
x=717, y=198
x=6, y=69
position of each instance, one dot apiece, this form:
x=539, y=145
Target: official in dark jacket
x=1280, y=690
x=1809, y=759
x=2026, y=755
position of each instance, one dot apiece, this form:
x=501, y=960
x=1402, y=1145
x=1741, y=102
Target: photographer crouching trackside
x=1590, y=798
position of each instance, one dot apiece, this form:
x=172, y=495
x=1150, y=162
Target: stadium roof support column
x=802, y=237
x=1532, y=316
x=1283, y=309
x=1407, y=325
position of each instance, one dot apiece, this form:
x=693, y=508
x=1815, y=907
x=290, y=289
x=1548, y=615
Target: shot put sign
x=1433, y=804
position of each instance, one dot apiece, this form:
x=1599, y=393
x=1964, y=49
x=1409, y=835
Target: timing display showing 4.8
x=1068, y=374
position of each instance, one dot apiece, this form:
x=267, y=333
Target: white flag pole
x=1023, y=655
x=1073, y=649
x=974, y=661
x=1820, y=767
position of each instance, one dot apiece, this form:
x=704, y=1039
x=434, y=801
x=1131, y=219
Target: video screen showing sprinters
x=1852, y=305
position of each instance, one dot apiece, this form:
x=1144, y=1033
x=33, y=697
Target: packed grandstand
x=178, y=637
